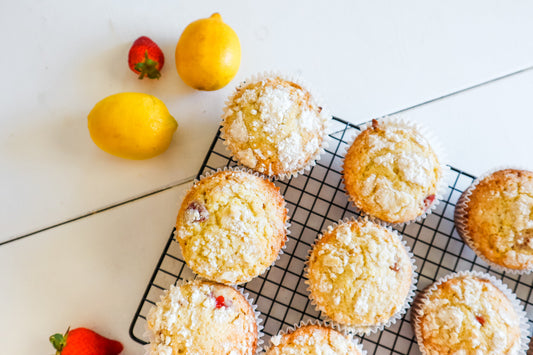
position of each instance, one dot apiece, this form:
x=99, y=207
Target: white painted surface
x=89, y=273
x=485, y=128
x=366, y=60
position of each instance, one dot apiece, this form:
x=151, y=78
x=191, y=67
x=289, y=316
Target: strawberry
x=146, y=58
x=219, y=302
x=83, y=341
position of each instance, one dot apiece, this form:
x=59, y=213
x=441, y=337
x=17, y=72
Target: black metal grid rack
x=315, y=200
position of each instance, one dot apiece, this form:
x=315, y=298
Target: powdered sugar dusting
x=238, y=129
x=414, y=168
x=274, y=105
x=290, y=150
x=247, y=157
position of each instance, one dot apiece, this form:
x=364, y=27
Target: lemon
x=208, y=54
x=132, y=125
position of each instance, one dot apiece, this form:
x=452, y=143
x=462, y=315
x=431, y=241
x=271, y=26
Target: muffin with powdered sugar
x=274, y=126
x=469, y=313
x=202, y=317
x=391, y=172
x=231, y=226
x=495, y=218
x=360, y=275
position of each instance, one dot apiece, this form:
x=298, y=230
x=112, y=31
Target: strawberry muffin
x=202, y=317
x=360, y=275
x=391, y=172
x=467, y=313
x=231, y=226
x=495, y=218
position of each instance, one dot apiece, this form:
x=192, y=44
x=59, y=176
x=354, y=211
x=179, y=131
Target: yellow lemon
x=132, y=125
x=208, y=54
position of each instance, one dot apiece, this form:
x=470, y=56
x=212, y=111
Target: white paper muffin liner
x=320, y=323
x=461, y=216
x=365, y=330
x=316, y=99
x=257, y=174
x=259, y=344
x=422, y=300
x=435, y=144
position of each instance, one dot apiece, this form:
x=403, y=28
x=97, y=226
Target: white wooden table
x=81, y=230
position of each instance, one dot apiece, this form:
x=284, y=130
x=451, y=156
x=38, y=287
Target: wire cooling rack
x=315, y=200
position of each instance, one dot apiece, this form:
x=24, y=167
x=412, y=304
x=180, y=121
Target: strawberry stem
x=59, y=341
x=148, y=67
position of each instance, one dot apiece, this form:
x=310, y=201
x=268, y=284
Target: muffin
x=274, y=126
x=202, y=317
x=391, y=172
x=314, y=340
x=231, y=226
x=466, y=314
x=495, y=218
x=360, y=275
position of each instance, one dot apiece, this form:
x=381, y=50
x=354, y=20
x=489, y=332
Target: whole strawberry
x=83, y=341
x=146, y=58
